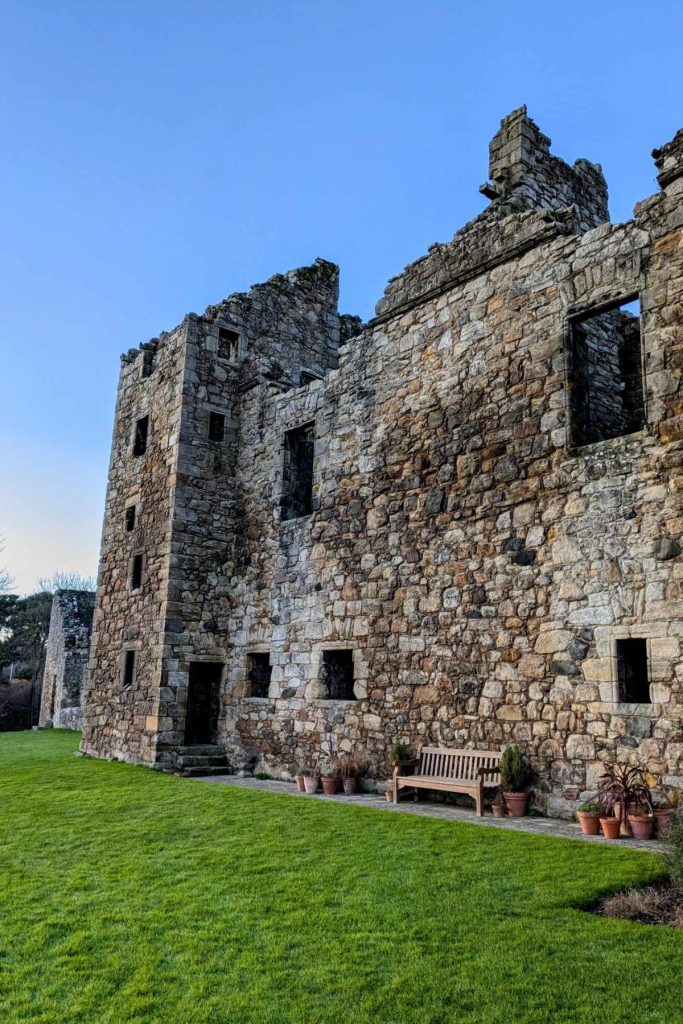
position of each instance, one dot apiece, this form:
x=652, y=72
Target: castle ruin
x=66, y=660
x=458, y=524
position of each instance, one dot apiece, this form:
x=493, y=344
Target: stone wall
x=66, y=659
x=477, y=565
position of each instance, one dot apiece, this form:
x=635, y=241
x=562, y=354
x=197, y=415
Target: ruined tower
x=459, y=525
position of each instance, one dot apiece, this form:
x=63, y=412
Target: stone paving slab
x=554, y=827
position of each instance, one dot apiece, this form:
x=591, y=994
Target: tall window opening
x=297, y=474
x=141, y=435
x=130, y=518
x=147, y=367
x=607, y=394
x=216, y=426
x=259, y=671
x=336, y=682
x=632, y=671
x=129, y=668
x=228, y=344
x=136, y=573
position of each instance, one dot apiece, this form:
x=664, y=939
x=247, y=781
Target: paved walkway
x=447, y=812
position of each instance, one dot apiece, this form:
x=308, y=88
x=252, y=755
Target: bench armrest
x=397, y=770
x=489, y=771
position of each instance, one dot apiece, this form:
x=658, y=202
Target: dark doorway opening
x=634, y=684
x=259, y=671
x=203, y=701
x=337, y=675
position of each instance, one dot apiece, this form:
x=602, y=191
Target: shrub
x=400, y=751
x=515, y=773
x=673, y=849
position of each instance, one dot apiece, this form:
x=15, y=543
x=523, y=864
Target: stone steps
x=201, y=759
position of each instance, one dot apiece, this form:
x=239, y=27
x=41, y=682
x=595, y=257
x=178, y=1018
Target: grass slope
x=128, y=897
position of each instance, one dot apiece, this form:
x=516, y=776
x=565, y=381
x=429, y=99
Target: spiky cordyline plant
x=624, y=785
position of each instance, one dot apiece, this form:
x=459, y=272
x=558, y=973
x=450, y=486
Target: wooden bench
x=452, y=771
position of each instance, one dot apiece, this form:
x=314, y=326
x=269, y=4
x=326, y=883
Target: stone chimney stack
x=669, y=160
x=514, y=150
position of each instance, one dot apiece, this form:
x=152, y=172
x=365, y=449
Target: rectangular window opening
x=136, y=574
x=130, y=518
x=228, y=344
x=141, y=434
x=336, y=681
x=607, y=392
x=129, y=668
x=297, y=473
x=306, y=377
x=632, y=671
x=259, y=671
x=216, y=426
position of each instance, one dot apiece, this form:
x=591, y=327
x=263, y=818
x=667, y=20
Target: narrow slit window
x=129, y=668
x=136, y=574
x=297, y=472
x=228, y=344
x=141, y=436
x=337, y=681
x=130, y=518
x=259, y=671
x=632, y=671
x=607, y=392
x=216, y=426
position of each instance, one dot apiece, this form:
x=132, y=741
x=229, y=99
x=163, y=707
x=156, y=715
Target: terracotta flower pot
x=499, y=810
x=330, y=786
x=663, y=820
x=299, y=779
x=350, y=784
x=311, y=783
x=516, y=804
x=610, y=827
x=589, y=822
x=642, y=825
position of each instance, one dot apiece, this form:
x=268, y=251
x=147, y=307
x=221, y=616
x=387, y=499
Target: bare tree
x=66, y=581
x=6, y=581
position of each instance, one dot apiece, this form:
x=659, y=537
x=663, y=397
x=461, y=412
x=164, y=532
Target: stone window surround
x=614, y=705
x=242, y=684
x=600, y=301
x=143, y=570
x=228, y=325
x=205, y=413
x=136, y=647
x=304, y=417
x=359, y=674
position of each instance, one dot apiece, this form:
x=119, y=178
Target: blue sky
x=159, y=156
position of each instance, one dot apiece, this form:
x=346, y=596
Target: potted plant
x=299, y=778
x=625, y=794
x=515, y=776
x=329, y=775
x=589, y=817
x=498, y=806
x=310, y=780
x=351, y=769
x=663, y=812
x=400, y=756
x=611, y=826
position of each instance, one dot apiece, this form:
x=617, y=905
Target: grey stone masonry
x=66, y=659
x=475, y=496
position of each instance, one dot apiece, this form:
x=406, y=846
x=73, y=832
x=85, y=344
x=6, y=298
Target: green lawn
x=128, y=896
